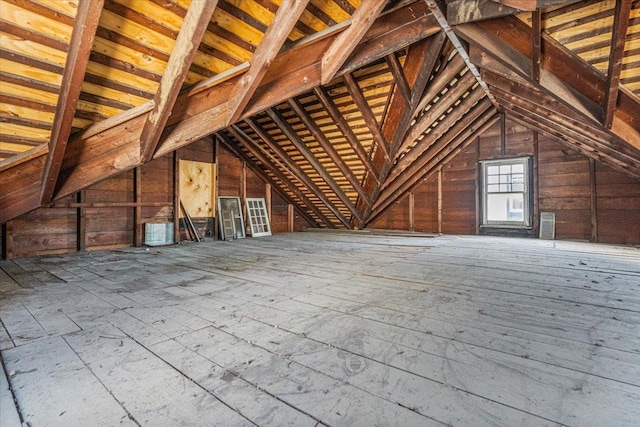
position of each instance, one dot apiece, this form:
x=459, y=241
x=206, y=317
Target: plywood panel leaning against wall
x=197, y=192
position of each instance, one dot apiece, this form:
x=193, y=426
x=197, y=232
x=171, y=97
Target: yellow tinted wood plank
x=11, y=146
x=332, y=9
x=137, y=32
x=123, y=53
x=41, y=24
x=96, y=108
x=109, y=93
x=226, y=46
x=34, y=50
x=122, y=77
x=28, y=93
x=210, y=63
x=29, y=72
x=66, y=7
x=26, y=113
x=580, y=29
x=26, y=131
x=236, y=26
x=578, y=14
x=153, y=11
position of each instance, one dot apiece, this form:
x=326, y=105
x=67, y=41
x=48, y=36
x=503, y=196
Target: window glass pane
x=492, y=179
x=504, y=187
x=517, y=187
x=493, y=188
x=504, y=179
x=505, y=207
x=492, y=170
x=517, y=168
x=517, y=178
x=505, y=169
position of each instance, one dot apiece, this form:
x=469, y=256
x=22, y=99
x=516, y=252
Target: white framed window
x=505, y=192
x=258, y=218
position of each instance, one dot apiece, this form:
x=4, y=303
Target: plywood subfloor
x=326, y=329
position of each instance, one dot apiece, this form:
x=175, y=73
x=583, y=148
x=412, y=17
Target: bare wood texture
x=346, y=130
x=618, y=39
x=82, y=36
x=185, y=49
x=337, y=54
x=462, y=11
x=565, y=66
x=297, y=171
x=322, y=139
x=277, y=33
x=313, y=161
x=261, y=156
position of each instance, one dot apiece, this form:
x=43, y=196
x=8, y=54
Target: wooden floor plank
x=330, y=328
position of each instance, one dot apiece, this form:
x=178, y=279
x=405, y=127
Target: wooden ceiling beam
x=437, y=8
x=463, y=108
x=536, y=41
x=439, y=82
x=438, y=109
x=326, y=145
x=82, y=36
x=418, y=67
x=285, y=20
x=618, y=39
x=251, y=147
x=284, y=126
x=296, y=171
x=367, y=115
x=398, y=76
x=336, y=55
x=185, y=49
x=572, y=70
x=113, y=146
x=464, y=11
x=531, y=5
x=337, y=117
x=449, y=145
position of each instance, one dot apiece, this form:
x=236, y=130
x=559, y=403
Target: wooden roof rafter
x=418, y=67
x=257, y=151
x=282, y=124
x=322, y=139
x=185, y=49
x=618, y=38
x=79, y=52
x=336, y=55
x=297, y=171
x=286, y=18
x=467, y=130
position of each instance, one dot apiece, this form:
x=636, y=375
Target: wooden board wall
x=56, y=229
x=564, y=187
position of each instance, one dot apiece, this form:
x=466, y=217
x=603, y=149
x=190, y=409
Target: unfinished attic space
x=319, y=213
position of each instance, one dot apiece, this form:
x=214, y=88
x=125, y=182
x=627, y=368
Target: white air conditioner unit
x=157, y=234
x=547, y=225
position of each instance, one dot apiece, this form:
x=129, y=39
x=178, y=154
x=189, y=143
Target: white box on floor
x=156, y=234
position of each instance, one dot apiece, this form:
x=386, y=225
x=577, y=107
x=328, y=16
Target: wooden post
x=411, y=207
x=81, y=224
x=267, y=199
x=290, y=217
x=536, y=181
x=594, y=200
x=176, y=197
x=7, y=239
x=440, y=199
x=503, y=135
x=137, y=210
x=479, y=179
x=243, y=190
x=216, y=222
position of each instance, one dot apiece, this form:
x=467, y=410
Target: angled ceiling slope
x=345, y=107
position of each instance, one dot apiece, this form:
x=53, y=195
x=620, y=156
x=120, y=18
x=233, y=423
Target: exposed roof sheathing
x=345, y=106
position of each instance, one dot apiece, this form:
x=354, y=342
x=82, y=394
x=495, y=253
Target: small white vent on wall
x=156, y=234
x=547, y=225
